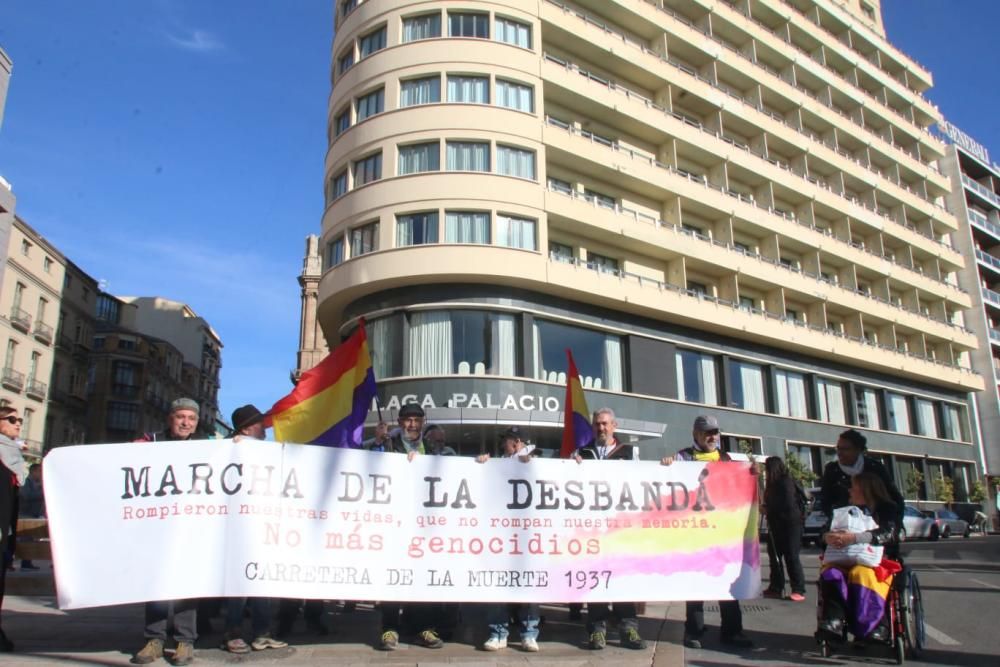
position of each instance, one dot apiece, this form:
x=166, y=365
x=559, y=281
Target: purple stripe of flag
x=349, y=431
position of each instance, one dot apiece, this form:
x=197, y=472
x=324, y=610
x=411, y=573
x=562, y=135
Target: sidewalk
x=44, y=635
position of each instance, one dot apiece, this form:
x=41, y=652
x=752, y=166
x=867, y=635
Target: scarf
x=11, y=457
x=855, y=469
x=701, y=455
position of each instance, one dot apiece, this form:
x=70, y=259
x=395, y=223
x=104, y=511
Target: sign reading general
x=171, y=520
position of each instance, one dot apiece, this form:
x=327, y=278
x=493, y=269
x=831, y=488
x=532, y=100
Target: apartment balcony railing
x=979, y=220
x=20, y=319
x=981, y=190
x=995, y=335
x=43, y=332
x=36, y=390
x=872, y=208
x=644, y=281
x=987, y=258
x=746, y=199
x=11, y=379
x=991, y=296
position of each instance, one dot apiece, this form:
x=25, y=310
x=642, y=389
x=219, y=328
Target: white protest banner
x=171, y=520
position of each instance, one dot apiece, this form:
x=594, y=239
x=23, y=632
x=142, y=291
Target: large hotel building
x=731, y=207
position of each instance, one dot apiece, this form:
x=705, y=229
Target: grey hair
x=604, y=411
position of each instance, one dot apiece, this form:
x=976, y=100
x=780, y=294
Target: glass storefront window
x=598, y=356
x=463, y=342
x=696, y=377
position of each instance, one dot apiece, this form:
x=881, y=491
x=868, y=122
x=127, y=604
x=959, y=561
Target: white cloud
x=198, y=41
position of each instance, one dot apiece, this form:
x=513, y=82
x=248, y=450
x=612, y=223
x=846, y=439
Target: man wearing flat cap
x=182, y=423
x=407, y=438
x=707, y=439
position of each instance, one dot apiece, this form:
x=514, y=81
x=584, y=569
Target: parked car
x=946, y=524
x=915, y=524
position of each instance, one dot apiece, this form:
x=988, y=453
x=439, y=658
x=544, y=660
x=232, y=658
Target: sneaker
x=235, y=645
x=429, y=639
x=390, y=640
x=691, y=642
x=529, y=644
x=598, y=640
x=631, y=639
x=183, y=654
x=267, y=641
x=773, y=595
x=797, y=597
x=151, y=652
x=495, y=644
x=739, y=640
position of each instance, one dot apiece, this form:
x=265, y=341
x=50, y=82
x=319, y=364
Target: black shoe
x=692, y=642
x=739, y=640
x=831, y=630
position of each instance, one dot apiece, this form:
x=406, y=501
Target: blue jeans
x=498, y=617
x=260, y=616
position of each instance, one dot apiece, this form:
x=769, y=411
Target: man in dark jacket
x=851, y=460
x=182, y=422
x=707, y=439
x=606, y=447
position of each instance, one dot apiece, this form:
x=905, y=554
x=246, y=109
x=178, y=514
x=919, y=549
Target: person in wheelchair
x=854, y=597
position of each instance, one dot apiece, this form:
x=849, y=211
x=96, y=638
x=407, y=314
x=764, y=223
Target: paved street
x=960, y=580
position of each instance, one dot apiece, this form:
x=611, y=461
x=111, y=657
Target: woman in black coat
x=784, y=523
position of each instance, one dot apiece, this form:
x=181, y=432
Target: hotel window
x=384, y=337
x=560, y=252
x=598, y=356
x=695, y=288
x=420, y=91
x=515, y=162
x=372, y=42
x=791, y=390
x=513, y=32
x=11, y=354
x=123, y=416
x=368, y=169
x=469, y=89
x=416, y=229
x=25, y=248
x=515, y=96
x=899, y=413
x=747, y=303
x=696, y=377
x=952, y=424
x=33, y=366
x=595, y=197
x=468, y=24
x=419, y=157
x=370, y=104
x=425, y=26
x=338, y=186
x=47, y=265
x=866, y=402
x=926, y=423
x=347, y=6
x=602, y=263
x=466, y=342
x=342, y=122
x=516, y=232
x=346, y=61
x=559, y=185
x=830, y=398
x=468, y=156
x=364, y=239
x=746, y=381
x=466, y=227
x=335, y=252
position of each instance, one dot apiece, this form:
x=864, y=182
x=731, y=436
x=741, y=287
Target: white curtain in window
x=422, y=157
x=791, y=390
x=514, y=96
x=831, y=402
x=870, y=401
x=515, y=232
x=708, y=383
x=925, y=418
x=420, y=91
x=378, y=346
x=468, y=156
x=430, y=344
x=950, y=422
x=613, y=363
x=536, y=345
x=421, y=27
x=504, y=341
x=466, y=227
x=899, y=414
x=470, y=89
x=752, y=381
x=404, y=230
x=515, y=162
x=512, y=32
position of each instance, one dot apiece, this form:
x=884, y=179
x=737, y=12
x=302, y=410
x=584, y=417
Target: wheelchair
x=904, y=618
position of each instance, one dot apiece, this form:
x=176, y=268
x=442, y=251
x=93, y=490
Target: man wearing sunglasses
x=12, y=475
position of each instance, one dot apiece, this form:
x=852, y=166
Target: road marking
x=938, y=636
x=983, y=583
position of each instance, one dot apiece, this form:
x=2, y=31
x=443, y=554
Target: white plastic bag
x=853, y=520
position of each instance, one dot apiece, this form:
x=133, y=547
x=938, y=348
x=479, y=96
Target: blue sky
x=175, y=147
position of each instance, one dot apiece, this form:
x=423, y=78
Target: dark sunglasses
x=13, y=420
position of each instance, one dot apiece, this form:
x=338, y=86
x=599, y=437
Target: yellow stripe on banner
x=315, y=415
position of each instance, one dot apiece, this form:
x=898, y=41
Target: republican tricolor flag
x=577, y=430
x=329, y=404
